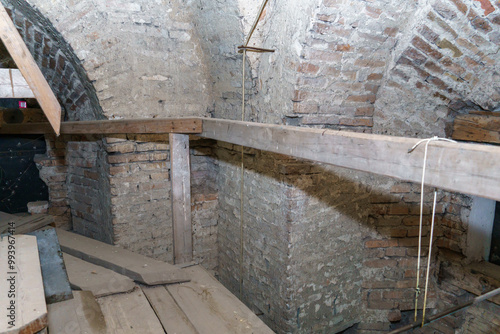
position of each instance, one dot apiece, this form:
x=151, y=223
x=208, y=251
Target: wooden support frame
x=466, y=168
x=30, y=70
x=181, y=197
x=122, y=126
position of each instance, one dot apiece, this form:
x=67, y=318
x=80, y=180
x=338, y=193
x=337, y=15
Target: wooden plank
x=55, y=280
x=13, y=84
x=157, y=125
x=129, y=313
x=139, y=268
x=5, y=219
x=181, y=197
x=25, y=224
x=211, y=308
x=477, y=128
x=171, y=316
x=26, y=300
x=82, y=314
x=29, y=69
x=101, y=281
x=466, y=168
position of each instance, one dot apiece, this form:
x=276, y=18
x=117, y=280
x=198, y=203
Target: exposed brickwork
x=53, y=171
x=88, y=190
x=446, y=68
x=57, y=61
x=343, y=50
x=141, y=212
x=143, y=57
x=325, y=248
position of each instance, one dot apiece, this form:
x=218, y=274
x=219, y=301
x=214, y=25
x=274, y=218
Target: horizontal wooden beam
x=465, y=168
x=142, y=126
x=481, y=127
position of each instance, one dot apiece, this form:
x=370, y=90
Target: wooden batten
x=181, y=197
x=142, y=126
x=30, y=70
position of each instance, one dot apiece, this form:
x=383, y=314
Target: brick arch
x=57, y=61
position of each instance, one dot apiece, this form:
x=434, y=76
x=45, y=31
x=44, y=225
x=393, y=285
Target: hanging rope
x=417, y=288
x=244, y=48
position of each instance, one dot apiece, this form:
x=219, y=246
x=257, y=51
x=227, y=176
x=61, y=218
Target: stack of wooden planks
x=23, y=299
x=123, y=292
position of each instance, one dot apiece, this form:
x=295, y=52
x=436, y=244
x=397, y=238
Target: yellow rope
x=242, y=183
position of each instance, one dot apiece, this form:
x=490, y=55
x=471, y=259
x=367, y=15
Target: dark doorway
x=20, y=181
x=495, y=237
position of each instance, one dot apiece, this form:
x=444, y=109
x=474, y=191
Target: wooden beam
x=21, y=283
x=144, y=126
x=483, y=128
x=30, y=70
x=13, y=84
x=90, y=277
x=466, y=168
x=181, y=197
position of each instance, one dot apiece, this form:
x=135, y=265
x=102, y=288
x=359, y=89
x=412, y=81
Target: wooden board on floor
x=138, y=267
x=24, y=224
x=466, y=168
x=211, y=308
x=55, y=280
x=101, y=281
x=82, y=315
x=5, y=219
x=26, y=291
x=171, y=316
x=129, y=313
x=483, y=128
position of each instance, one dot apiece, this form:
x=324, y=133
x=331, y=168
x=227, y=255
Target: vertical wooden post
x=181, y=197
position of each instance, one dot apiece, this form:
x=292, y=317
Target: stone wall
x=118, y=190
x=53, y=171
x=324, y=248
x=344, y=71
x=141, y=208
x=57, y=61
x=446, y=64
x=265, y=270
x=143, y=57
x=88, y=190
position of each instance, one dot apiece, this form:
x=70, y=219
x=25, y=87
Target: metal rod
x=253, y=49
x=447, y=312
